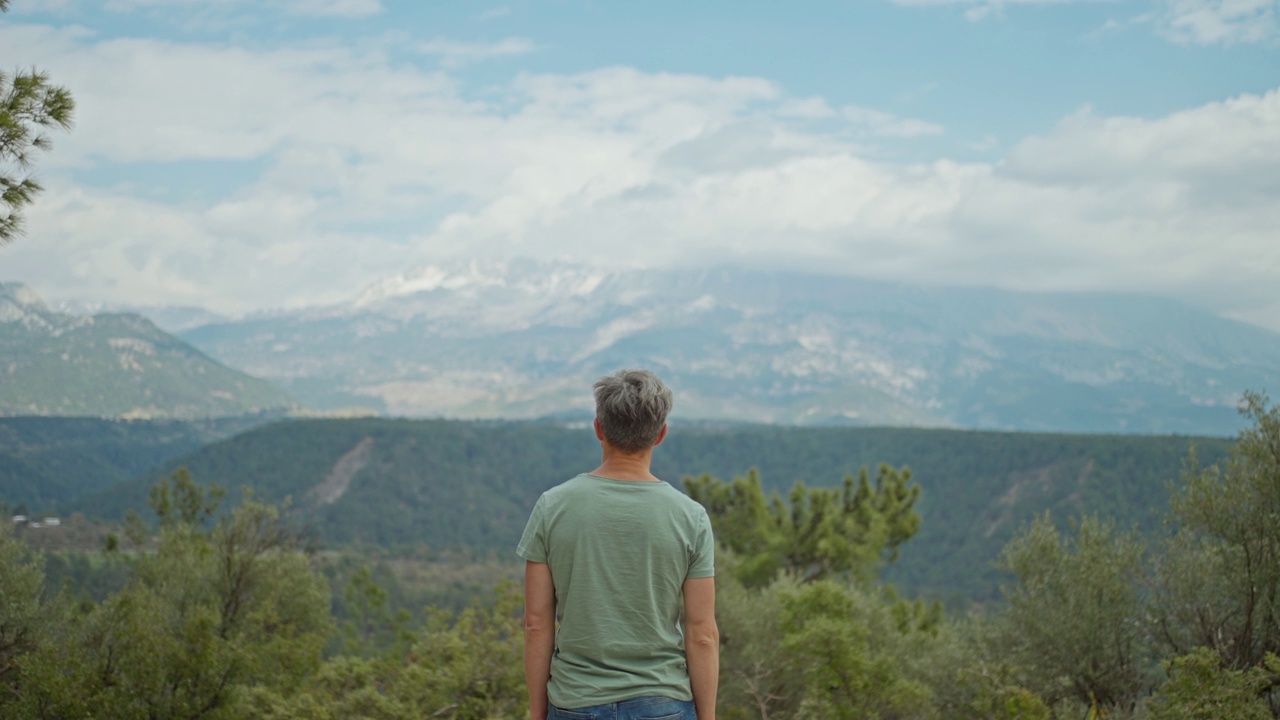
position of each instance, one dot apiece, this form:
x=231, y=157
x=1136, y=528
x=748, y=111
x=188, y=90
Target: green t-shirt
x=619, y=553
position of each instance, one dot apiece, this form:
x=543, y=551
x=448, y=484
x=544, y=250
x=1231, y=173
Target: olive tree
x=1075, y=618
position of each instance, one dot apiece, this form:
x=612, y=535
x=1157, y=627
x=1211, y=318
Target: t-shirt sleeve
x=533, y=544
x=702, y=560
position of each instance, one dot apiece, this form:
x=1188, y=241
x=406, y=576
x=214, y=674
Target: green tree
x=973, y=677
x=1075, y=616
x=29, y=105
x=849, y=668
x=820, y=533
x=755, y=681
x=1220, y=575
x=370, y=626
x=1200, y=688
x=463, y=666
x=22, y=614
x=208, y=616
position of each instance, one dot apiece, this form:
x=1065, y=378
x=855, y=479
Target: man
x=611, y=554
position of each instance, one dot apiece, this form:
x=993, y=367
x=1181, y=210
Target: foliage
x=462, y=667
x=1220, y=578
x=224, y=616
x=29, y=104
x=1075, y=618
x=755, y=680
x=47, y=461
x=22, y=613
x=821, y=533
x=204, y=618
x=826, y=649
x=980, y=683
x=847, y=670
x=470, y=485
x=371, y=626
x=1201, y=688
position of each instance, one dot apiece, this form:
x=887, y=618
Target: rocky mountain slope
x=113, y=365
x=522, y=339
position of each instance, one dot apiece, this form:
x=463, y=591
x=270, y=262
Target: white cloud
x=881, y=124
x=495, y=13
x=1226, y=22
x=1237, y=138
x=28, y=7
x=358, y=168
x=453, y=53
x=336, y=8
x=317, y=8
x=1199, y=22
x=978, y=9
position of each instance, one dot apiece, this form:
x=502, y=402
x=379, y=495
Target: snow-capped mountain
x=525, y=339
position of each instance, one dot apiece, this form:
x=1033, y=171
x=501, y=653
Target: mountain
x=525, y=339
x=112, y=365
x=450, y=484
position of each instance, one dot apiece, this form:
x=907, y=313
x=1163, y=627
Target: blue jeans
x=641, y=708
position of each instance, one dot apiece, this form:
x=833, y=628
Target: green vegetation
x=819, y=533
x=226, y=614
x=229, y=621
x=46, y=461
x=467, y=487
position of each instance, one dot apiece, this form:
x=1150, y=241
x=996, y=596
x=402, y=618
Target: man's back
x=619, y=552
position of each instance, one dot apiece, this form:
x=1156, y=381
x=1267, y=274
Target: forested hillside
x=46, y=461
x=233, y=610
x=406, y=484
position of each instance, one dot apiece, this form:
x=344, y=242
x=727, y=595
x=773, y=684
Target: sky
x=249, y=155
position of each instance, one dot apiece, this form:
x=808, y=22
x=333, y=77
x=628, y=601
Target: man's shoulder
x=686, y=502
x=564, y=489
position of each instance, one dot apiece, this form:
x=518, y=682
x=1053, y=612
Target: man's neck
x=626, y=466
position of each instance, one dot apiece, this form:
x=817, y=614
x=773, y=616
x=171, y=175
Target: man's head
x=632, y=408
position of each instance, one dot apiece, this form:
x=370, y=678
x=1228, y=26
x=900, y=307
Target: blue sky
x=244, y=155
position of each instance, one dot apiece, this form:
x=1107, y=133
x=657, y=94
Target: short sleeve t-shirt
x=619, y=552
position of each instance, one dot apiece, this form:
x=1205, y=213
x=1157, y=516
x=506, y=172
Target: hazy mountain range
x=112, y=365
x=525, y=339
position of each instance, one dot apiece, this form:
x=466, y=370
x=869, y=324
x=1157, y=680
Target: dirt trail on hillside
x=339, y=478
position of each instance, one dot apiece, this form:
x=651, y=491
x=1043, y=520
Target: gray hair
x=632, y=407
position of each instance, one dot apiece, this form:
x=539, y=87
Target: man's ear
x=599, y=433
x=662, y=435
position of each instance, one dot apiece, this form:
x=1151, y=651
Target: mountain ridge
x=113, y=365
x=520, y=340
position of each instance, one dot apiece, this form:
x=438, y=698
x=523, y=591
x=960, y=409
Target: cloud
x=354, y=167
x=31, y=7
x=881, y=124
x=1225, y=22
x=494, y=13
x=315, y=8
x=978, y=9
x=1198, y=22
x=454, y=54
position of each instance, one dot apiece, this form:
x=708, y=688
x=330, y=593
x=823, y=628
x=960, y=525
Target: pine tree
x=29, y=105
x=818, y=533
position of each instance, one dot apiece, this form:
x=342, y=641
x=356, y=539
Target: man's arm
x=539, y=634
x=702, y=644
